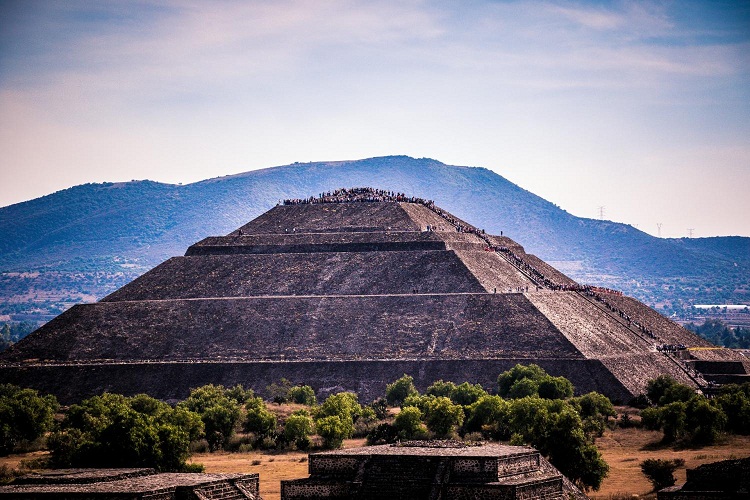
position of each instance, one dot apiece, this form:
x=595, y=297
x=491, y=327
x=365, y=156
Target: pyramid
x=348, y=291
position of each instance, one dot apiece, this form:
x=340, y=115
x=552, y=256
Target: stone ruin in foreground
x=431, y=470
x=349, y=292
x=131, y=484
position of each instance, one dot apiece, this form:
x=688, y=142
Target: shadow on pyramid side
x=348, y=291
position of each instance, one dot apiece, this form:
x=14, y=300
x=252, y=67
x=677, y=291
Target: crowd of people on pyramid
x=631, y=322
x=358, y=194
x=671, y=347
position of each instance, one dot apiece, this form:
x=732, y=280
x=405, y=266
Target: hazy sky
x=640, y=107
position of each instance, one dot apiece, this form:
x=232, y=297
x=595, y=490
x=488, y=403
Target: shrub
x=303, y=394
x=380, y=407
x=333, y=431
x=382, y=434
x=408, y=424
x=279, y=393
x=443, y=416
x=24, y=416
x=110, y=431
x=218, y=412
x=555, y=388
x=660, y=472
x=489, y=416
x=297, y=429
x=506, y=379
x=259, y=420
x=441, y=388
x=398, y=391
x=466, y=394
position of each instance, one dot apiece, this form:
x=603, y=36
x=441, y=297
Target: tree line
x=529, y=407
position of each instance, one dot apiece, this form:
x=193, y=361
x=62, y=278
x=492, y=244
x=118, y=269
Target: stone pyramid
x=350, y=290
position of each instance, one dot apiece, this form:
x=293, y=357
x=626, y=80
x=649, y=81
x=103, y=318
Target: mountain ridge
x=127, y=227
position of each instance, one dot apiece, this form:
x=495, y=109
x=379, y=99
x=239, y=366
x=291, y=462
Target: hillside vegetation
x=82, y=243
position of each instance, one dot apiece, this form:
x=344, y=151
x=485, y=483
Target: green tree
x=660, y=472
x=489, y=415
x=24, y=416
x=523, y=387
x=298, y=428
x=595, y=409
x=114, y=431
x=239, y=394
x=734, y=401
x=380, y=407
x=303, y=394
x=218, y=412
x=398, y=391
x=408, y=424
x=704, y=420
x=656, y=388
x=441, y=388
x=279, y=393
x=555, y=428
x=333, y=431
x=673, y=420
x=442, y=416
x=555, y=387
x=651, y=418
x=346, y=408
x=466, y=394
x=677, y=392
x=506, y=379
x=258, y=419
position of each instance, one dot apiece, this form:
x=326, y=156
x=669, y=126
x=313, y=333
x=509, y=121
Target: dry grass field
x=623, y=449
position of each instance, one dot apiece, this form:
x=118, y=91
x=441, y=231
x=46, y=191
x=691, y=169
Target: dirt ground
x=272, y=467
x=625, y=449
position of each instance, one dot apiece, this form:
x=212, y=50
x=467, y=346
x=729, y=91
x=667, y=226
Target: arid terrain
x=623, y=449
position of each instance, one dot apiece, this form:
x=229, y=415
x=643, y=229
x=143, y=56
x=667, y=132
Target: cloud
x=175, y=87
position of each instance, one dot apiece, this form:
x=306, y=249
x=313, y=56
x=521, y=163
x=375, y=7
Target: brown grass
x=625, y=449
x=272, y=467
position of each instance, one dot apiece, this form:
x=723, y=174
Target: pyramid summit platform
x=348, y=291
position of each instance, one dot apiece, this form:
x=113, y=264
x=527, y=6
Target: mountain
x=81, y=243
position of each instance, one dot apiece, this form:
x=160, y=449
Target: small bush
x=380, y=407
x=398, y=391
x=199, y=446
x=661, y=472
x=303, y=394
x=237, y=441
x=193, y=468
